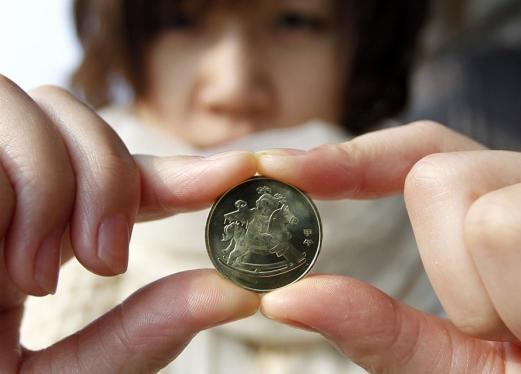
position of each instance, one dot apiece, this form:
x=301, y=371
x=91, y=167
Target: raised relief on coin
x=261, y=230
x=269, y=234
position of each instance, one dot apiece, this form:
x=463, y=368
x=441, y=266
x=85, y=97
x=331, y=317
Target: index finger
x=372, y=165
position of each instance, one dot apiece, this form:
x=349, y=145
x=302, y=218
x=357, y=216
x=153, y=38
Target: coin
x=263, y=234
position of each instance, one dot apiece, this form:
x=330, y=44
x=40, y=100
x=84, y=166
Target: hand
x=464, y=203
x=69, y=187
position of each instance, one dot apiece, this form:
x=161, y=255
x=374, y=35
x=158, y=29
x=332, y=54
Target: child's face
x=231, y=70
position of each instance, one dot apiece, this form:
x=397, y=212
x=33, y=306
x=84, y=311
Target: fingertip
x=327, y=171
x=107, y=253
x=299, y=301
x=239, y=155
x=275, y=304
x=195, y=300
x=278, y=152
x=177, y=184
x=236, y=165
x=212, y=295
x=358, y=319
x=280, y=163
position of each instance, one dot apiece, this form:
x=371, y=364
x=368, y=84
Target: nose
x=232, y=80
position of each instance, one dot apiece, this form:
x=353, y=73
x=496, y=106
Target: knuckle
x=353, y=148
x=5, y=82
x=78, y=364
x=330, y=151
x=9, y=88
x=403, y=333
x=116, y=166
x=443, y=138
x=40, y=190
x=122, y=333
x=351, y=155
x=430, y=128
x=494, y=223
x=48, y=91
x=111, y=168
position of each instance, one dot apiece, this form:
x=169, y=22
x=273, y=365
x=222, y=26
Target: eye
x=181, y=21
x=296, y=21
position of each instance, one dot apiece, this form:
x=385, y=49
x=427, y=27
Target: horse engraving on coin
x=261, y=230
x=269, y=232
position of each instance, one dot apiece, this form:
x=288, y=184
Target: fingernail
x=280, y=152
x=229, y=154
x=113, y=239
x=48, y=263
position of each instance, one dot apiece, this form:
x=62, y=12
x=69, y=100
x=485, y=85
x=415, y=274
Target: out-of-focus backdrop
x=37, y=41
x=469, y=79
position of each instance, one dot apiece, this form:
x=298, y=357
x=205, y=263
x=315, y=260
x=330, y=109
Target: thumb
x=381, y=334
x=178, y=184
x=150, y=328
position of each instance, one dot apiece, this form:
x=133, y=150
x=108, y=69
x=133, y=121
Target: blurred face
x=216, y=74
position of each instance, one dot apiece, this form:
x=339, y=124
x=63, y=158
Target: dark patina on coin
x=263, y=234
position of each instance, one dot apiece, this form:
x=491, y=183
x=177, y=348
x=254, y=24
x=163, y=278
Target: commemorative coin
x=263, y=234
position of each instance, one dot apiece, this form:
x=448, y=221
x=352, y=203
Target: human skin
x=57, y=156
x=230, y=71
x=69, y=187
x=463, y=202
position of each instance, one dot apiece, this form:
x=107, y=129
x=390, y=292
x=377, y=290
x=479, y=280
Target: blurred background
x=37, y=41
x=469, y=76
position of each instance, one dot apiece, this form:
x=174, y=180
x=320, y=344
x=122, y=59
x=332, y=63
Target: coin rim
x=306, y=197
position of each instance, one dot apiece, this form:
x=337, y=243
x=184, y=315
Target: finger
x=171, y=185
x=378, y=332
x=108, y=182
x=10, y=355
x=122, y=187
x=177, y=184
x=372, y=165
x=150, y=328
x=37, y=166
x=439, y=192
x=9, y=298
x=493, y=236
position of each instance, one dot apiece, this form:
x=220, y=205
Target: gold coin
x=263, y=234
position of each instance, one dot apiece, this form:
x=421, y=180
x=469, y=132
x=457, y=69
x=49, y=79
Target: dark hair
x=382, y=35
